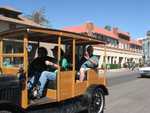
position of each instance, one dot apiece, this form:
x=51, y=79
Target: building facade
x=119, y=45
x=146, y=47
x=11, y=18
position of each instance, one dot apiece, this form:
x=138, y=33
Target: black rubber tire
x=96, y=101
x=142, y=76
x=7, y=107
x=5, y=111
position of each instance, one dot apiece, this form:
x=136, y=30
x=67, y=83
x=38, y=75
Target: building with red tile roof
x=120, y=47
x=115, y=33
x=94, y=29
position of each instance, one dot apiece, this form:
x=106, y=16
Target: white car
x=144, y=71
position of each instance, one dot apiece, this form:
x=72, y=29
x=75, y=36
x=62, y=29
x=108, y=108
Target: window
x=12, y=61
x=11, y=49
x=12, y=46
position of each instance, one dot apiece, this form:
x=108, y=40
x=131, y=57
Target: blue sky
x=128, y=15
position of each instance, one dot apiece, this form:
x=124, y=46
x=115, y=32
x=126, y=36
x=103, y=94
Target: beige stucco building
x=120, y=48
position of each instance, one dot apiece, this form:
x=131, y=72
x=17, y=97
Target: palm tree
x=38, y=16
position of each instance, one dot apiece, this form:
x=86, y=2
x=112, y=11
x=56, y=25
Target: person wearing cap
x=49, y=75
x=91, y=62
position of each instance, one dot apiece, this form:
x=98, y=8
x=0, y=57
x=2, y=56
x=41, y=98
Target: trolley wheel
x=10, y=108
x=96, y=102
x=5, y=111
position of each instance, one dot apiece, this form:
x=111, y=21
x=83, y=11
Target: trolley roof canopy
x=49, y=35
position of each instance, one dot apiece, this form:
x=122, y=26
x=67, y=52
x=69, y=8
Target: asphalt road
x=130, y=97
x=117, y=78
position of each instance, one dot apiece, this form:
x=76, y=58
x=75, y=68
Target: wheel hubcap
x=97, y=103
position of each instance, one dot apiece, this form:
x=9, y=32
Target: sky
x=131, y=16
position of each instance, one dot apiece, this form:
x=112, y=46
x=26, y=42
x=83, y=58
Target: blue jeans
x=33, y=80
x=46, y=75
x=30, y=82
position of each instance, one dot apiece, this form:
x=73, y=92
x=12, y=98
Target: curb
x=118, y=70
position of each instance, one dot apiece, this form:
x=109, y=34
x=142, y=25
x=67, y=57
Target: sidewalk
x=119, y=72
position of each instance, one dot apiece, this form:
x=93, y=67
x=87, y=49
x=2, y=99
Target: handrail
x=13, y=55
x=1, y=72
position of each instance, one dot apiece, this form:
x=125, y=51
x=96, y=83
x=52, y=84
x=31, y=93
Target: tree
x=38, y=16
x=108, y=27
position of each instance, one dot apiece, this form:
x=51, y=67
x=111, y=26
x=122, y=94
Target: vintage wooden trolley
x=17, y=47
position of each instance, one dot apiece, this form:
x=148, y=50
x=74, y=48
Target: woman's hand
x=86, y=55
x=48, y=63
x=51, y=63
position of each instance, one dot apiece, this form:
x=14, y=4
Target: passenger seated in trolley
x=90, y=61
x=48, y=75
x=48, y=72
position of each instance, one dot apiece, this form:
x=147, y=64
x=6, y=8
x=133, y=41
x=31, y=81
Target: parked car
x=145, y=71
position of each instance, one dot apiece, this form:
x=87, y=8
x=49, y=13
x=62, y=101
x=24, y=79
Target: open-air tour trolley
x=65, y=94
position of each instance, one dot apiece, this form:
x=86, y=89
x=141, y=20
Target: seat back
x=51, y=84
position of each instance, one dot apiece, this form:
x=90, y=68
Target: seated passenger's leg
x=30, y=83
x=46, y=75
x=83, y=70
x=82, y=74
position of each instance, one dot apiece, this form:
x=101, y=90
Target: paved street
x=130, y=97
x=116, y=78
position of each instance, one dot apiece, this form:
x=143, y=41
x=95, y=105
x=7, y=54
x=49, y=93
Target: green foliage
x=141, y=64
x=112, y=66
x=125, y=65
x=108, y=27
x=103, y=66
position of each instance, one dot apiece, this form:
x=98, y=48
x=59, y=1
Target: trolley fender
x=87, y=95
x=94, y=86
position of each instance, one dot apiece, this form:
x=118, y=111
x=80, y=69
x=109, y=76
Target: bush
x=103, y=65
x=112, y=66
x=125, y=65
x=141, y=64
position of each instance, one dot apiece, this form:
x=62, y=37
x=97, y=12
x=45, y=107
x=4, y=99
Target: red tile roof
x=124, y=33
x=135, y=42
x=105, y=32
x=102, y=31
x=76, y=29
x=82, y=28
